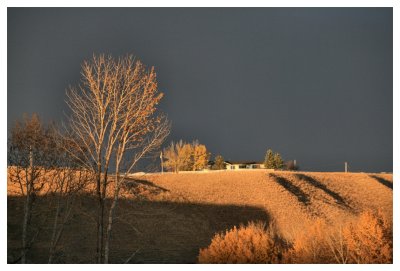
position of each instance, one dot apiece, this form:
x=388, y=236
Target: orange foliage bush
x=310, y=246
x=253, y=243
x=370, y=239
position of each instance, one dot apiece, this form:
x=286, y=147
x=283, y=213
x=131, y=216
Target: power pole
x=345, y=167
x=294, y=163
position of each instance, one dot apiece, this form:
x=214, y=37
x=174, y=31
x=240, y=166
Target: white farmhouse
x=232, y=165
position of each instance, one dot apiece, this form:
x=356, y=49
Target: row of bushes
x=368, y=239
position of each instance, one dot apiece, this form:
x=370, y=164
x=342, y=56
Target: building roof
x=243, y=162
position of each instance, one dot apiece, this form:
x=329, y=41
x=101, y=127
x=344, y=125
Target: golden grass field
x=168, y=218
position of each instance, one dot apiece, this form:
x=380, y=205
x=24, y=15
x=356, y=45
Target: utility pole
x=294, y=162
x=345, y=167
x=162, y=165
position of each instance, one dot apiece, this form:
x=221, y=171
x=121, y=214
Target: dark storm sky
x=314, y=84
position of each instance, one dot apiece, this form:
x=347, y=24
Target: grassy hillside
x=168, y=218
x=291, y=199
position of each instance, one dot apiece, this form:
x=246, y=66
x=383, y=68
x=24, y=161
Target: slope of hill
x=292, y=199
x=168, y=218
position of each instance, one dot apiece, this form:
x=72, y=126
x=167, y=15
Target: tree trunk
x=99, y=217
x=101, y=230
x=56, y=240
x=64, y=207
x=25, y=227
x=110, y=220
x=27, y=210
x=54, y=234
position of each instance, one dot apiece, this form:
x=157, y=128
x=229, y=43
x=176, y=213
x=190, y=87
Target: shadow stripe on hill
x=338, y=199
x=382, y=181
x=293, y=189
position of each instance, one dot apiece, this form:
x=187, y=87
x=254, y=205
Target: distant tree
x=269, y=161
x=278, y=162
x=184, y=156
x=219, y=162
x=177, y=156
x=170, y=157
x=273, y=160
x=200, y=156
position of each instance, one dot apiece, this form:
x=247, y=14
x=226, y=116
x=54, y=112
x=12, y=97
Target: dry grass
x=293, y=199
x=170, y=217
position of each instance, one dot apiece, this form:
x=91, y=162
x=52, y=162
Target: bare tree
x=113, y=116
x=69, y=179
x=31, y=160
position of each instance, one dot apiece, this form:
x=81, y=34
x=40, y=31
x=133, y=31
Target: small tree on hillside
x=200, y=156
x=219, y=162
x=269, y=159
x=178, y=156
x=170, y=156
x=273, y=160
x=278, y=162
x=185, y=156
